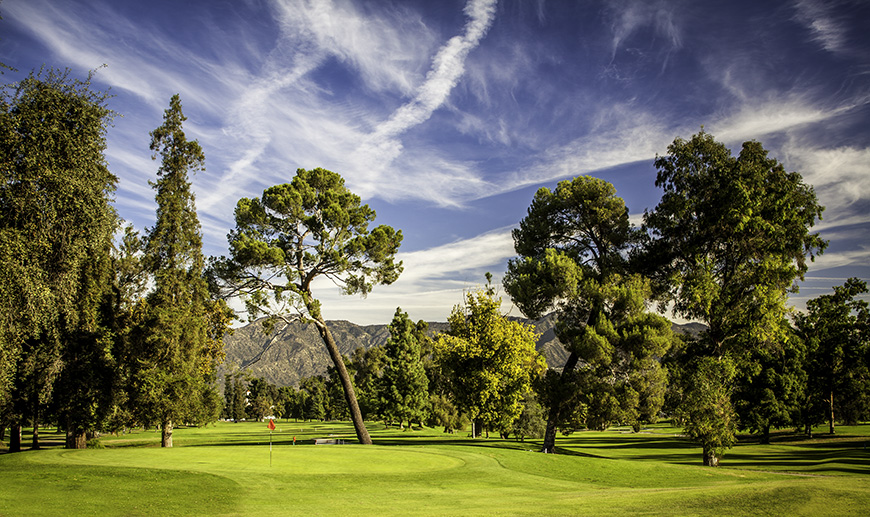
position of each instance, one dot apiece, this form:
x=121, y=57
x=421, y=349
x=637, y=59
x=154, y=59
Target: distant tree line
x=102, y=329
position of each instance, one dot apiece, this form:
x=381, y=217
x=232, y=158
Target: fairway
x=226, y=469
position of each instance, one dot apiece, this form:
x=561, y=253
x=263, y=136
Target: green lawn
x=225, y=469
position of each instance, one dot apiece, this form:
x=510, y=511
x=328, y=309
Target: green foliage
x=491, y=361
x=836, y=330
x=404, y=385
x=316, y=398
x=56, y=227
x=313, y=227
x=707, y=409
x=573, y=246
x=175, y=337
x=726, y=243
x=368, y=367
x=731, y=235
x=532, y=422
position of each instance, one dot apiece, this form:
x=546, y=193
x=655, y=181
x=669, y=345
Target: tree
x=491, y=361
x=405, y=387
x=368, y=367
x=771, y=388
x=316, y=397
x=229, y=396
x=836, y=329
x=532, y=422
x=573, y=248
x=56, y=227
x=173, y=336
x=313, y=227
x=726, y=243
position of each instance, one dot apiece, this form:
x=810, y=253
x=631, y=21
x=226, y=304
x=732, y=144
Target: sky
x=447, y=116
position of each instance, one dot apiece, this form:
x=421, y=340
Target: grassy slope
x=225, y=469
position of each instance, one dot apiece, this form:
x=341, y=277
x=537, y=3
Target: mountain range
x=286, y=355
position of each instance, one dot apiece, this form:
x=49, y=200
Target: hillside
x=284, y=357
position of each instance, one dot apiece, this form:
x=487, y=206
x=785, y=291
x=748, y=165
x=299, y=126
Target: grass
x=226, y=469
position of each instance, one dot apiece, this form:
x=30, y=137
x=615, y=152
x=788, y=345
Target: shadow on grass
x=843, y=455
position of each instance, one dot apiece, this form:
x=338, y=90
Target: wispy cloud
x=383, y=146
x=819, y=18
x=433, y=281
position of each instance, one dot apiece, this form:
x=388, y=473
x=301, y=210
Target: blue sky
x=447, y=116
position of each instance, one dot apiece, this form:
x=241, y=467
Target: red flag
x=271, y=425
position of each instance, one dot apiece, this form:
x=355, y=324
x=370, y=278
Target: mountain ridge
x=284, y=357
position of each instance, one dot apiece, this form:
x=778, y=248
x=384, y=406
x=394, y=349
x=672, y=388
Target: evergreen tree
x=405, y=388
x=173, y=336
x=313, y=227
x=573, y=248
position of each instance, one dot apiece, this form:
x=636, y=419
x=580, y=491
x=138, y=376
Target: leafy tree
x=313, y=227
x=261, y=399
x=491, y=361
x=336, y=403
x=728, y=239
x=229, y=396
x=532, y=422
x=240, y=399
x=771, y=388
x=573, y=247
x=316, y=397
x=443, y=412
x=56, y=227
x=707, y=409
x=405, y=387
x=836, y=329
x=175, y=351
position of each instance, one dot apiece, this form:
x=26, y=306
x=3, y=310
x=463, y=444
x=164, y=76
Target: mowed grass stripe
x=417, y=473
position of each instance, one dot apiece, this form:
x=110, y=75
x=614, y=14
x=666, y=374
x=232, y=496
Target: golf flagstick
x=271, y=428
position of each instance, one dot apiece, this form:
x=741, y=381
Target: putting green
x=307, y=460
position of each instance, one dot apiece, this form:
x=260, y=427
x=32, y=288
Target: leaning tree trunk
x=166, y=434
x=362, y=433
x=831, y=411
x=556, y=408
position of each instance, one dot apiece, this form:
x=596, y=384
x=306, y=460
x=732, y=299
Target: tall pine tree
x=405, y=387
x=173, y=335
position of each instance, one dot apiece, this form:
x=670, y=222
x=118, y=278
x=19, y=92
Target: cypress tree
x=173, y=333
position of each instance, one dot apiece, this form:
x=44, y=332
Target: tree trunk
x=362, y=433
x=710, y=458
x=166, y=434
x=15, y=437
x=765, y=435
x=76, y=439
x=556, y=410
x=831, y=411
x=35, y=441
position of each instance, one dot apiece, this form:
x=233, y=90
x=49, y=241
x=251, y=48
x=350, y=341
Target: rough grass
x=225, y=470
